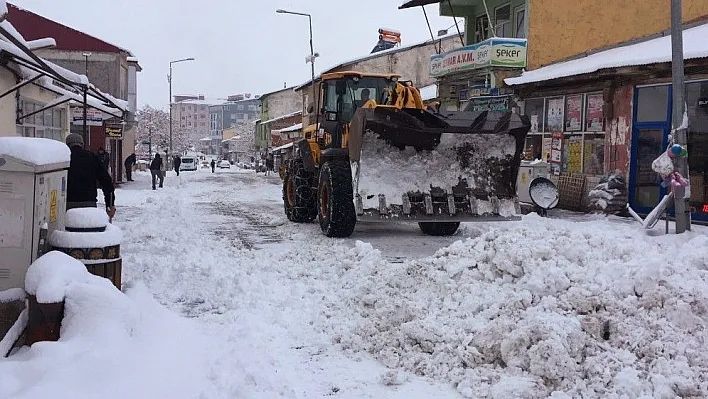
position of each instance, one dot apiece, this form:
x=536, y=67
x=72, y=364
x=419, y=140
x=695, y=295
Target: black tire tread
x=439, y=228
x=305, y=207
x=341, y=220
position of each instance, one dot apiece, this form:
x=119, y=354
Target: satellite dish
x=544, y=194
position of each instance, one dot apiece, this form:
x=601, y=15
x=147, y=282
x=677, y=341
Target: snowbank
x=112, y=345
x=538, y=307
x=86, y=218
x=35, y=150
x=385, y=170
x=113, y=235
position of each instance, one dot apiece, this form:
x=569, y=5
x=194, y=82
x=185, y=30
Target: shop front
x=471, y=77
x=651, y=126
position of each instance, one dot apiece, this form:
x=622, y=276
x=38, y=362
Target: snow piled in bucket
x=392, y=172
x=543, y=307
x=84, y=218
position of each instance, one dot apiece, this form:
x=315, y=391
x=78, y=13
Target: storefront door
x=651, y=126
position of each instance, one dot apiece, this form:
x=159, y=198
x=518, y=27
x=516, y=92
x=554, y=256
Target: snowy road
x=218, y=248
x=587, y=307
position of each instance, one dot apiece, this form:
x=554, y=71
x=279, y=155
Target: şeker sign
x=495, y=52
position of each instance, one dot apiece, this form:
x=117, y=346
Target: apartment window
x=240, y=107
x=502, y=21
x=519, y=21
x=481, y=30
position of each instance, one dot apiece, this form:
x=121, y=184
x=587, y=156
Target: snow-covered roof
x=293, y=128
x=205, y=139
x=196, y=102
x=282, y=117
x=34, y=150
x=282, y=147
x=378, y=54
x=429, y=92
x=648, y=52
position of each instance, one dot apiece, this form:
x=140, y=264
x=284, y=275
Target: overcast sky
x=240, y=46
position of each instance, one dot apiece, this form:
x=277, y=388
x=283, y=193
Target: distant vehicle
x=188, y=163
x=224, y=164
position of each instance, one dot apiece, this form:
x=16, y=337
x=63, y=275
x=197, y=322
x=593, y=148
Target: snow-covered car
x=188, y=163
x=224, y=164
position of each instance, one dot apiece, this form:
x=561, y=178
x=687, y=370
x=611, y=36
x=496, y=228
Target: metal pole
x=312, y=64
x=169, y=79
x=681, y=205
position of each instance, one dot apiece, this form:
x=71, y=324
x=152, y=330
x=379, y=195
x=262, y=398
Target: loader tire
x=298, y=195
x=439, y=228
x=335, y=196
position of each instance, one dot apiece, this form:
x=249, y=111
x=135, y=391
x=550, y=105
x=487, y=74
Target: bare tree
x=153, y=132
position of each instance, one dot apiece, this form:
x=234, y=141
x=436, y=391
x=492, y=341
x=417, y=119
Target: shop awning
x=418, y=3
x=652, y=51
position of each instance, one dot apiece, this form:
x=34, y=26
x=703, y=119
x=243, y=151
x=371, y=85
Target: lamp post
x=169, y=80
x=311, y=58
x=85, y=127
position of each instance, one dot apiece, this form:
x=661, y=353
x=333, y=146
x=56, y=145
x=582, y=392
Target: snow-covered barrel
x=90, y=238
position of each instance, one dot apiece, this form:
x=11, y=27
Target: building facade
x=274, y=105
x=238, y=110
x=191, y=114
x=112, y=69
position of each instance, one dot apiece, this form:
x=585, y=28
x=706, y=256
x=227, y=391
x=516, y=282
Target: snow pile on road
x=538, y=308
x=392, y=172
x=116, y=345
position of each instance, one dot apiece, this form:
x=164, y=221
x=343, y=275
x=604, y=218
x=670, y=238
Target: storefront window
x=652, y=103
x=554, y=114
x=572, y=154
x=697, y=108
x=593, y=154
x=533, y=108
x=576, y=124
x=45, y=124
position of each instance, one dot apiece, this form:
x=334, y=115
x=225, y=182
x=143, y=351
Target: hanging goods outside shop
x=671, y=178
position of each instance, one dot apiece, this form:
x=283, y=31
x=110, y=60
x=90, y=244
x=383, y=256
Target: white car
x=188, y=163
x=224, y=164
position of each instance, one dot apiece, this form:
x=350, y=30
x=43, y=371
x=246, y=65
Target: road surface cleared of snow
x=584, y=306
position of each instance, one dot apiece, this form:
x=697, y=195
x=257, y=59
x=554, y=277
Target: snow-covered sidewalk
x=590, y=307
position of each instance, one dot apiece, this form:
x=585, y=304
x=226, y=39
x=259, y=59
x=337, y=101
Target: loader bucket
x=418, y=165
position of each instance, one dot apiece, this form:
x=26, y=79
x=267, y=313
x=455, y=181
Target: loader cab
x=342, y=96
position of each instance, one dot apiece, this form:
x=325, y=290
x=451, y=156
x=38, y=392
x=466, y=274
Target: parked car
x=224, y=164
x=188, y=163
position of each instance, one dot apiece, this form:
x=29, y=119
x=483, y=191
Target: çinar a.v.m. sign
x=495, y=52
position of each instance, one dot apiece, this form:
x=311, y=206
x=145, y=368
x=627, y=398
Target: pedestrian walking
x=156, y=171
x=269, y=164
x=85, y=170
x=213, y=165
x=129, y=162
x=176, y=162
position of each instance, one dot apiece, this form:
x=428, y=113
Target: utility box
x=528, y=171
x=33, y=180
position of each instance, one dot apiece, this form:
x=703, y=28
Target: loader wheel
x=336, y=199
x=298, y=196
x=439, y=228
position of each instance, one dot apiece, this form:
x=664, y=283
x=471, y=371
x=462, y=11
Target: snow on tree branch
x=154, y=126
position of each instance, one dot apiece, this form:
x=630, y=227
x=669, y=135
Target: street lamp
x=311, y=58
x=169, y=80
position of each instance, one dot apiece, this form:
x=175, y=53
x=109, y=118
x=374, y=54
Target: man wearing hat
x=85, y=170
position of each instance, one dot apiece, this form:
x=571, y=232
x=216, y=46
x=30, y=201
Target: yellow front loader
x=375, y=153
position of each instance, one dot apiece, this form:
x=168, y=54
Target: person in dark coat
x=156, y=170
x=129, y=162
x=85, y=170
x=213, y=165
x=176, y=162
